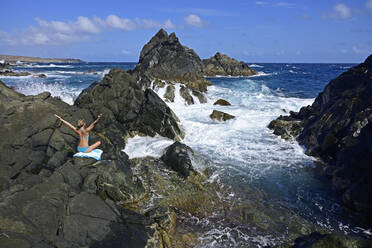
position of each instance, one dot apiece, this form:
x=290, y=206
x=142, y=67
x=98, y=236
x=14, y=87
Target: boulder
x=223, y=65
x=127, y=108
x=178, y=158
x=337, y=128
x=222, y=102
x=220, y=116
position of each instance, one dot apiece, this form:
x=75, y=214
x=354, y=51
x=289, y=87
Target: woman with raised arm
x=83, y=133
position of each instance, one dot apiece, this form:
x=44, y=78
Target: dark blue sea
x=244, y=156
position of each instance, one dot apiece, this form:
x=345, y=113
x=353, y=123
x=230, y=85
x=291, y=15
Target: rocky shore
x=337, y=129
x=164, y=62
x=25, y=59
x=48, y=198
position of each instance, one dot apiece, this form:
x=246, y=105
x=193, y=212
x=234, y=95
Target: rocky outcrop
x=48, y=198
x=177, y=157
x=220, y=116
x=164, y=58
x=223, y=65
x=337, y=128
x=222, y=102
x=128, y=109
x=165, y=61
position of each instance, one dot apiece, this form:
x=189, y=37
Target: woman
x=83, y=133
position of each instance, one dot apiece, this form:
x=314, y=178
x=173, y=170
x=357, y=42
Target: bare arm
x=91, y=126
x=67, y=123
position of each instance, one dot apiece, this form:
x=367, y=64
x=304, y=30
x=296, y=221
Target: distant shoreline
x=26, y=59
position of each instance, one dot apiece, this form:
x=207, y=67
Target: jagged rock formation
x=220, y=116
x=223, y=65
x=164, y=58
x=337, y=128
x=164, y=61
x=128, y=108
x=49, y=199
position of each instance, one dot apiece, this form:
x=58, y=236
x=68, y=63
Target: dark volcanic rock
x=31, y=137
x=78, y=205
x=220, y=116
x=164, y=58
x=127, y=108
x=337, y=127
x=223, y=65
x=177, y=157
x=200, y=96
x=185, y=94
x=286, y=128
x=169, y=94
x=222, y=102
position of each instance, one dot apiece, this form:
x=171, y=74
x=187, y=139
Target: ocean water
x=243, y=154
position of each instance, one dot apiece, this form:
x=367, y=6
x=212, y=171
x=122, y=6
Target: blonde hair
x=80, y=123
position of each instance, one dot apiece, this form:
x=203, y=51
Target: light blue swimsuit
x=83, y=149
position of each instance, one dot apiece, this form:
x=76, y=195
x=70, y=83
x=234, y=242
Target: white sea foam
x=261, y=73
x=46, y=66
x=146, y=146
x=241, y=141
x=66, y=93
x=255, y=65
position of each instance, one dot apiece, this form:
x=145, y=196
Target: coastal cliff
x=50, y=199
x=337, y=129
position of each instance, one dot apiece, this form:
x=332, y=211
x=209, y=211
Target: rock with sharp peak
x=223, y=65
x=164, y=58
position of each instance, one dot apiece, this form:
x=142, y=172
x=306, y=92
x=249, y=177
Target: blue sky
x=253, y=31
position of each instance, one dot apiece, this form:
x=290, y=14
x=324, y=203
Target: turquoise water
x=243, y=153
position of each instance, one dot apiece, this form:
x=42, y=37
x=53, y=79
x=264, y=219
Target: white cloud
x=369, y=4
x=194, y=20
x=285, y=4
x=358, y=50
x=340, y=11
x=126, y=24
x=279, y=4
x=125, y=52
x=58, y=32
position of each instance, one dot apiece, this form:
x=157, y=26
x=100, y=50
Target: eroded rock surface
x=337, y=128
